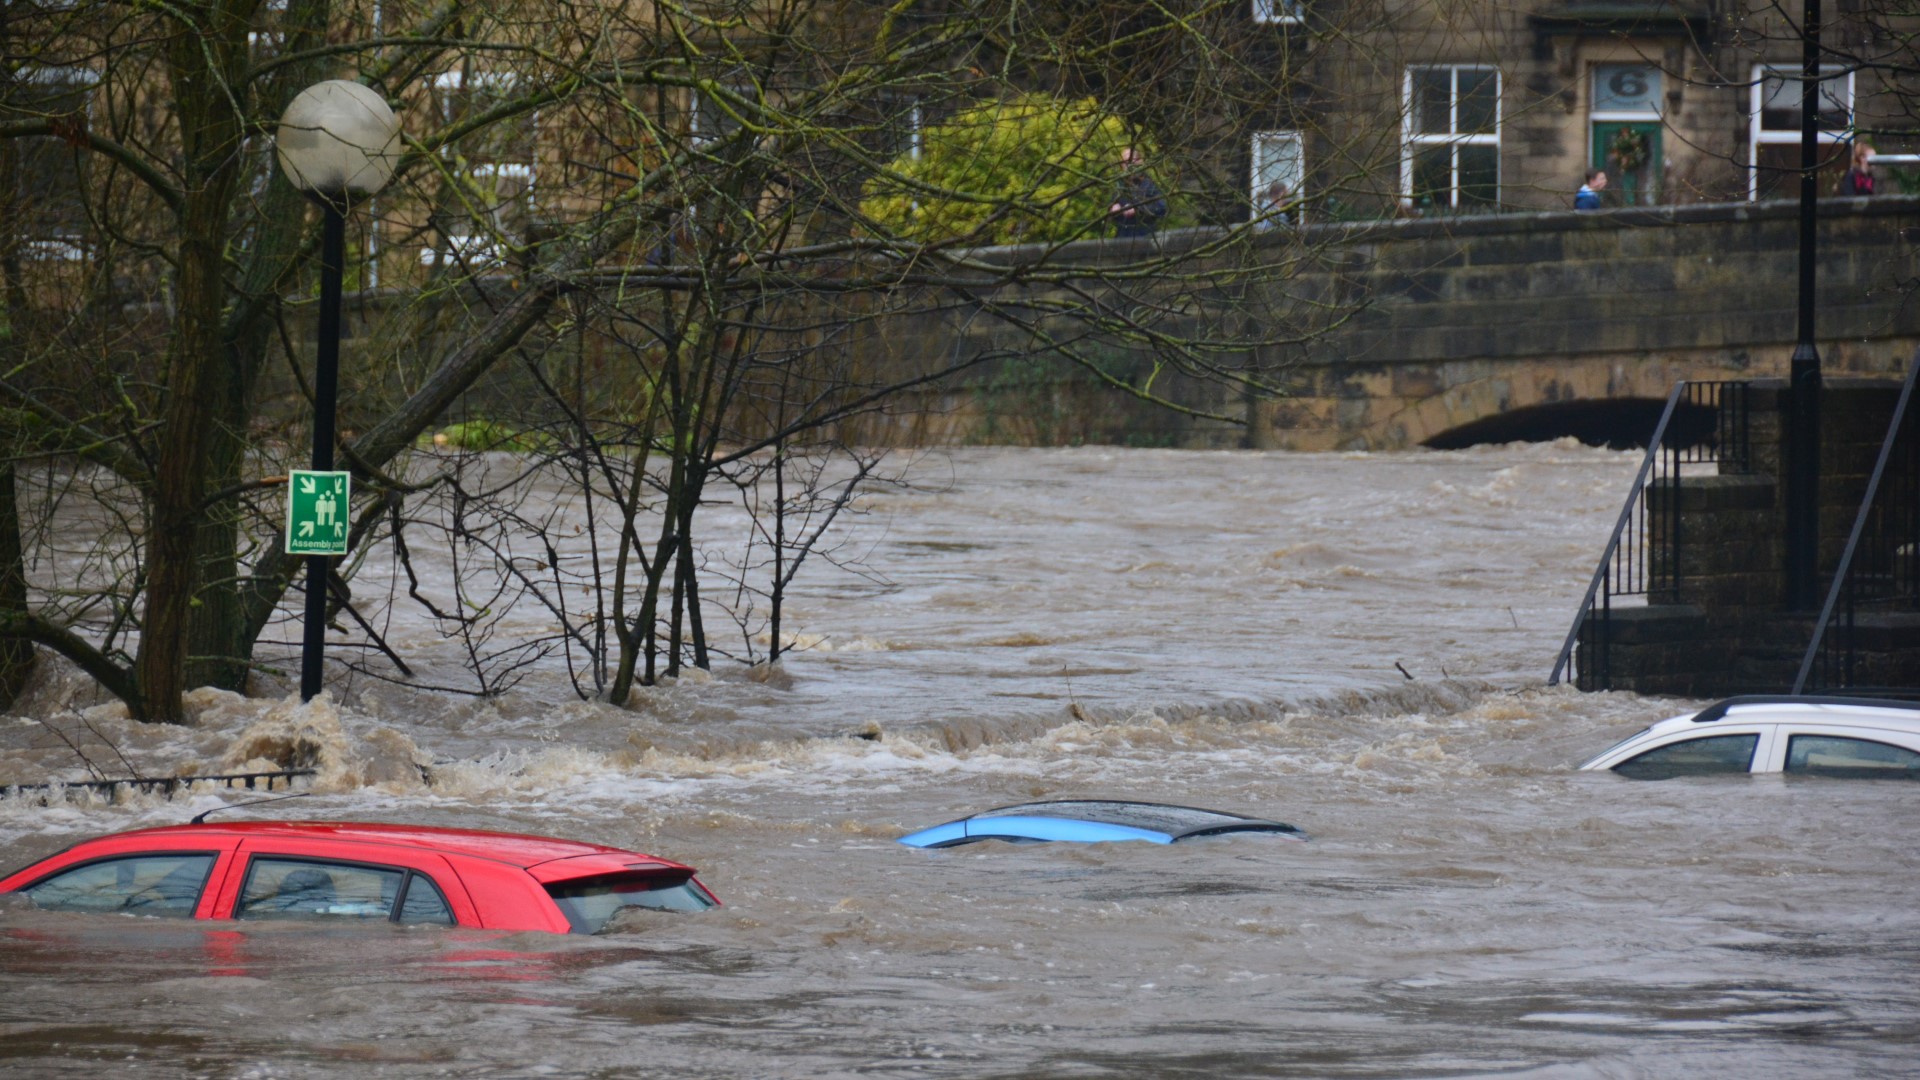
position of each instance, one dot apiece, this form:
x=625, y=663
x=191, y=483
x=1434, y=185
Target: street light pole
x=1803, y=373
x=326, y=389
x=338, y=142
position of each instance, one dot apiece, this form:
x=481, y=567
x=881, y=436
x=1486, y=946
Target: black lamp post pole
x=326, y=381
x=1803, y=475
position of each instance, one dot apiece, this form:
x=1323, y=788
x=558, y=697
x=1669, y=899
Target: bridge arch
x=1599, y=399
x=1618, y=423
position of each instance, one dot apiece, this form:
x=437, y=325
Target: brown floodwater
x=1222, y=629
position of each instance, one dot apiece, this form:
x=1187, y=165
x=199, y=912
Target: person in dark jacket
x=1588, y=197
x=1138, y=205
x=1859, y=177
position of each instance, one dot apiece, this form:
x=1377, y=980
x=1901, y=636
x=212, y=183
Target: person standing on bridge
x=1138, y=205
x=1588, y=197
x=1273, y=208
x=1859, y=177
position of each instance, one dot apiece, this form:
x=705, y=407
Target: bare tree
x=632, y=232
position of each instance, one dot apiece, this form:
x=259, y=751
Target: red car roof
x=511, y=848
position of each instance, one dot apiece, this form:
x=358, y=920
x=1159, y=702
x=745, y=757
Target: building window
x=1278, y=11
x=50, y=193
x=270, y=18
x=1452, y=126
x=490, y=202
x=1626, y=92
x=1773, y=126
x=1277, y=159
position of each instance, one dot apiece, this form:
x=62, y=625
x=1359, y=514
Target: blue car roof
x=1092, y=821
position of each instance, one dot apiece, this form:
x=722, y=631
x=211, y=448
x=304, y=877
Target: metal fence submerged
x=166, y=785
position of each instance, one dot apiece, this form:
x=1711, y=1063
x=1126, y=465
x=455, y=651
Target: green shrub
x=1033, y=168
x=489, y=435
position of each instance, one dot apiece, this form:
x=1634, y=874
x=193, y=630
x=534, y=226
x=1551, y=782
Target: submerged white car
x=1858, y=738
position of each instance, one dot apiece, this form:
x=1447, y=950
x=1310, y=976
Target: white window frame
x=1278, y=12
x=58, y=247
x=373, y=244
x=1412, y=141
x=1756, y=136
x=482, y=249
x=1255, y=187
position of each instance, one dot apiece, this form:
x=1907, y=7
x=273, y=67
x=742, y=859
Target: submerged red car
x=342, y=870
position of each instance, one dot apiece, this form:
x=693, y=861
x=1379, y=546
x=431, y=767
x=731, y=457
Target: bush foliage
x=1030, y=168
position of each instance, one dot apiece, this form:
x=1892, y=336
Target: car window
x=167, y=885
x=1831, y=755
x=424, y=903
x=590, y=905
x=1693, y=757
x=295, y=889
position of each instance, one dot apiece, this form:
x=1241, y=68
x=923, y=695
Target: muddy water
x=1220, y=629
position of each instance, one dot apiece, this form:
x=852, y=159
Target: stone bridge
x=1510, y=326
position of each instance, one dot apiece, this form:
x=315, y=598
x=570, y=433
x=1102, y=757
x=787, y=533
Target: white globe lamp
x=338, y=142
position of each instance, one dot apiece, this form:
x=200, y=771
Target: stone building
x=1360, y=108
x=1465, y=107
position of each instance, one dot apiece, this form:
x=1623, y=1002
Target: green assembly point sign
x=317, y=512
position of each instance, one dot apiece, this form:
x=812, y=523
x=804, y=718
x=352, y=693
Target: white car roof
x=1868, y=712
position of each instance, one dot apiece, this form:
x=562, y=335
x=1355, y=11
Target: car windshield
x=589, y=905
x=1611, y=750
x=1171, y=820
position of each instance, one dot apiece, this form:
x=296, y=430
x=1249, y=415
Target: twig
x=338, y=588
x=92, y=769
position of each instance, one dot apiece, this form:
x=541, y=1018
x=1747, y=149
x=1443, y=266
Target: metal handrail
x=1841, y=572
x=166, y=784
x=1619, y=530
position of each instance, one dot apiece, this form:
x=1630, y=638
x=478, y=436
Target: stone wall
x=1453, y=322
x=1484, y=316
x=1457, y=320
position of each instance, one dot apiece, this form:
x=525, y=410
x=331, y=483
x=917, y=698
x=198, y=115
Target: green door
x=1630, y=152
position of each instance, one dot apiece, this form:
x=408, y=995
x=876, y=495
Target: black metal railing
x=1879, y=570
x=166, y=785
x=1704, y=423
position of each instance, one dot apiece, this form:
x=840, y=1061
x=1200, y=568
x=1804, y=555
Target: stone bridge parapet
x=1460, y=322
x=1470, y=319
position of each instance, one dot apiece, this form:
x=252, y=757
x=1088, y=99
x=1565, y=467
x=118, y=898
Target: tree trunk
x=16, y=654
x=210, y=136
x=219, y=647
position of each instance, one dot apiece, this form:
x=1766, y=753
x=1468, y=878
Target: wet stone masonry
x=1455, y=321
x=1501, y=314
x=1723, y=628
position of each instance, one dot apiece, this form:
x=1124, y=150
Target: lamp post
x=1803, y=373
x=338, y=143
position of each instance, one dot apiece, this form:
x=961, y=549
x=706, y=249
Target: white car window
x=1693, y=757
x=1832, y=755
